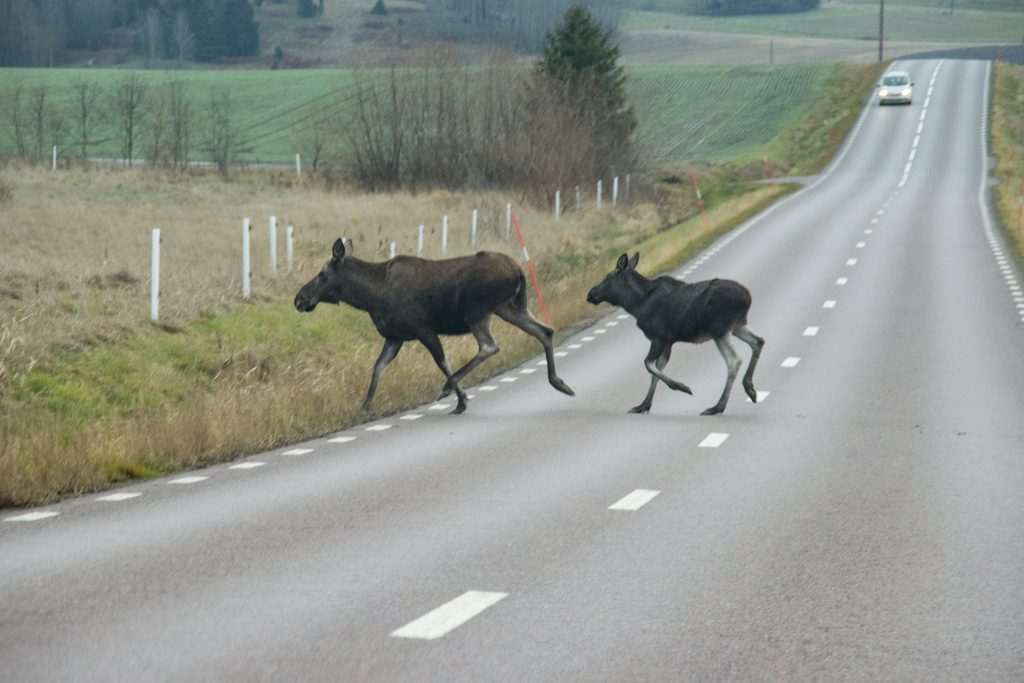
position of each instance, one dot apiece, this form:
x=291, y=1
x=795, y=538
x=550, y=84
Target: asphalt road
x=864, y=520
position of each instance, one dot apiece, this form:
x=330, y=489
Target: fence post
x=393, y=251
x=298, y=165
x=627, y=186
x=246, y=269
x=508, y=220
x=615, y=191
x=55, y=157
x=558, y=204
x=444, y=235
x=700, y=199
x=154, y=285
x=577, y=206
x=472, y=230
x=289, y=249
x=419, y=243
x=599, y=192
x=273, y=245
x=533, y=273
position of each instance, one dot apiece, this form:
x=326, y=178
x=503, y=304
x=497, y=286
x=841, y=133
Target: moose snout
x=302, y=304
x=593, y=297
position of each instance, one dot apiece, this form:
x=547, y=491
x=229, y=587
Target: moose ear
x=339, y=249
x=622, y=263
x=633, y=261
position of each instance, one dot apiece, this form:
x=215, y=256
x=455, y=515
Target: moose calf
x=669, y=310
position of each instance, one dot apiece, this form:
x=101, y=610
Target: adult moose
x=411, y=298
x=669, y=310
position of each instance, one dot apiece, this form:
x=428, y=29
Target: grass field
x=918, y=22
x=684, y=111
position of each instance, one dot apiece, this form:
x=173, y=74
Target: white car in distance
x=895, y=88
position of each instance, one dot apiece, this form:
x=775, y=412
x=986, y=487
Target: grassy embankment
x=92, y=394
x=1007, y=141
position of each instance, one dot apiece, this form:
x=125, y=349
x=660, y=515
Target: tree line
x=163, y=122
x=435, y=122
x=40, y=32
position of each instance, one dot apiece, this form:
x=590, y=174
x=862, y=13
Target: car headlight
x=906, y=92
x=884, y=92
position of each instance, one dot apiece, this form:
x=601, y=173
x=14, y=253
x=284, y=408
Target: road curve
x=862, y=521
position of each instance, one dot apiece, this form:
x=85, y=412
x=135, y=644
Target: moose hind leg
x=645, y=405
x=387, y=354
x=433, y=345
x=732, y=364
x=755, y=343
x=524, y=320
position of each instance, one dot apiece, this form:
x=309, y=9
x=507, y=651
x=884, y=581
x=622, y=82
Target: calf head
x=326, y=286
x=616, y=285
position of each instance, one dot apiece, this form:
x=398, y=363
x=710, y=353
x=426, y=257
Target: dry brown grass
x=92, y=393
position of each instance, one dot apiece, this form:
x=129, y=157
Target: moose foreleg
x=645, y=405
x=732, y=364
x=756, y=344
x=658, y=347
x=387, y=354
x=486, y=348
x=433, y=345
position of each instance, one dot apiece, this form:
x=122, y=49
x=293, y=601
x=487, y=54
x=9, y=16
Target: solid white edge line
x=449, y=616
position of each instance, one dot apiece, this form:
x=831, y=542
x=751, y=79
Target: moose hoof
x=714, y=410
x=562, y=386
x=751, y=392
x=640, y=409
x=459, y=409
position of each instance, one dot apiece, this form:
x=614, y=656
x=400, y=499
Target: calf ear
x=339, y=249
x=633, y=261
x=622, y=263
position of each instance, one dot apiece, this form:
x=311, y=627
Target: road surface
x=864, y=520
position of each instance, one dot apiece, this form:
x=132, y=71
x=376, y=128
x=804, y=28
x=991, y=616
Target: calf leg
x=732, y=364
x=658, y=347
x=756, y=344
x=387, y=354
x=433, y=345
x=524, y=320
x=662, y=361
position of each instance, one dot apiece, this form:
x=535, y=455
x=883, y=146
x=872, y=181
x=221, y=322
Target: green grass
x=856, y=21
x=684, y=111
x=720, y=112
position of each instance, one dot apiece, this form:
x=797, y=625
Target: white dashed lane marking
x=118, y=497
x=449, y=616
x=761, y=396
x=378, y=428
x=842, y=281
x=31, y=517
x=188, y=480
x=851, y=262
x=790, y=362
x=635, y=500
x=411, y=416
x=297, y=451
x=341, y=439
x=245, y=466
x=829, y=304
x=713, y=440
x=811, y=331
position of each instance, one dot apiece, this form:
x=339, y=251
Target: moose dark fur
x=417, y=299
x=669, y=310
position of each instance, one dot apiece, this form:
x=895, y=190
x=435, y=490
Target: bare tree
x=84, y=115
x=184, y=39
x=224, y=138
x=152, y=35
x=128, y=107
x=180, y=123
x=14, y=115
